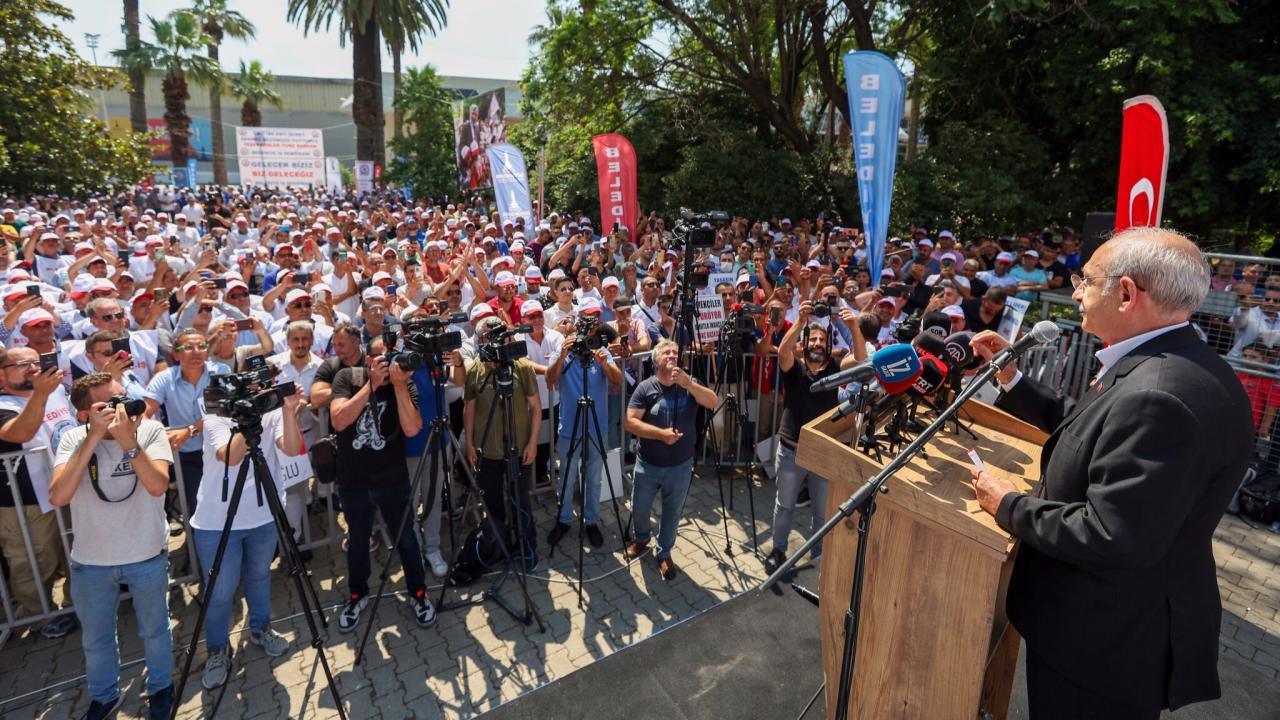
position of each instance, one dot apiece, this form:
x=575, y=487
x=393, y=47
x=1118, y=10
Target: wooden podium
x=933, y=641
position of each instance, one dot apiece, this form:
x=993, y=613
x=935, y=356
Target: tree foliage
x=218, y=22
x=423, y=156
x=253, y=87
x=49, y=140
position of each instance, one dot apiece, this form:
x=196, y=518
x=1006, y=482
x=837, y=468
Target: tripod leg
x=608, y=477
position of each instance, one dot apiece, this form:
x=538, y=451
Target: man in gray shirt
x=113, y=471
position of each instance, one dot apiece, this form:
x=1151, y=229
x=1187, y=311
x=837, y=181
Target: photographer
x=584, y=348
x=480, y=397
x=251, y=546
x=663, y=413
x=799, y=406
x=99, y=469
x=374, y=408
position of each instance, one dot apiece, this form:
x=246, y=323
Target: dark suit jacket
x=1115, y=584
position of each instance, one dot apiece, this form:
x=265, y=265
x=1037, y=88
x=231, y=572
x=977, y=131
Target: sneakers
x=439, y=567
x=350, y=614
x=423, y=611
x=668, y=568
x=160, y=704
x=216, y=669
x=273, y=643
x=104, y=710
x=557, y=532
x=774, y=561
x=59, y=627
x=594, y=536
x=636, y=548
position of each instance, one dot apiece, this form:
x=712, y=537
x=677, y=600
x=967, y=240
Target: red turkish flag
x=1144, y=160
x=619, y=200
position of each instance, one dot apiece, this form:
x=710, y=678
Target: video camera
x=245, y=396
x=588, y=340
x=500, y=347
x=406, y=359
x=425, y=336
x=689, y=230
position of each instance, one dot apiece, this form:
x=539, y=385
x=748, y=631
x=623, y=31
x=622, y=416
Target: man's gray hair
x=663, y=344
x=1166, y=263
x=97, y=304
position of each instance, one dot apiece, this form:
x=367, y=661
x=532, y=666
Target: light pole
x=91, y=39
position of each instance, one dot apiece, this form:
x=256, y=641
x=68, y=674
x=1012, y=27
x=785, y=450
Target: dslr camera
x=132, y=408
x=501, y=347
x=406, y=359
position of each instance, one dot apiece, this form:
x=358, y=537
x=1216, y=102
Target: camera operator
x=34, y=411
x=799, y=406
x=251, y=547
x=373, y=409
x=663, y=412
x=526, y=410
x=543, y=344
x=565, y=373
x=100, y=467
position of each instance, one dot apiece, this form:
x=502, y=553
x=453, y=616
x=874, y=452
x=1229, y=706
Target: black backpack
x=1260, y=498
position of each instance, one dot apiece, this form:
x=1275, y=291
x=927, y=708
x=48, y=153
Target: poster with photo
x=481, y=121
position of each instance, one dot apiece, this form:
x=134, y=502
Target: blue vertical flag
x=191, y=173
x=876, y=94
x=510, y=183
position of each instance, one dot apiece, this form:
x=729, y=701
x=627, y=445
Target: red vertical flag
x=1144, y=160
x=616, y=163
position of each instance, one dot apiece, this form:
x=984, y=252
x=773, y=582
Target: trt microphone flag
x=1144, y=160
x=510, y=183
x=876, y=94
x=619, y=199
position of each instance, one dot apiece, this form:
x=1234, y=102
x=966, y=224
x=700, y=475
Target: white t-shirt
x=540, y=353
x=99, y=537
x=218, y=481
x=59, y=417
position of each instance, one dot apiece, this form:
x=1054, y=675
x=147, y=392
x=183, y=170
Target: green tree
x=253, y=87
x=49, y=139
x=132, y=27
x=218, y=22
x=423, y=157
x=176, y=53
x=404, y=23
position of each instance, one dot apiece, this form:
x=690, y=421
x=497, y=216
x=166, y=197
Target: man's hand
x=123, y=428
x=804, y=311
x=377, y=372
x=530, y=452
x=987, y=344
x=681, y=377
x=470, y=450
x=453, y=358
x=177, y=437
x=116, y=366
x=602, y=356
x=47, y=381
x=990, y=490
x=849, y=318
x=100, y=419
x=399, y=376
x=670, y=436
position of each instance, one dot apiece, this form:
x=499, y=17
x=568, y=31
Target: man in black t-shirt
x=663, y=413
x=799, y=406
x=984, y=313
x=373, y=409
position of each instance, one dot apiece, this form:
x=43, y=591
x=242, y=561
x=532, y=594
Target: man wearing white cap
x=562, y=287
x=1030, y=276
x=42, y=252
x=297, y=308
x=1000, y=276
x=543, y=344
x=506, y=305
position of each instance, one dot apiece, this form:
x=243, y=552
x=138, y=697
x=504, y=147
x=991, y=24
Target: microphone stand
x=863, y=501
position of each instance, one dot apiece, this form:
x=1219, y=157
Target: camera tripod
x=502, y=381
x=251, y=429
x=582, y=442
x=734, y=383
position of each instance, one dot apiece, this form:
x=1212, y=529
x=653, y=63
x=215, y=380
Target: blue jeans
x=569, y=478
x=95, y=590
x=790, y=478
x=673, y=481
x=357, y=506
x=248, y=558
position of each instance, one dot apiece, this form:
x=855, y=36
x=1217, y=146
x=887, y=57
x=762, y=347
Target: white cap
x=946, y=234
x=373, y=293
x=925, y=241
x=504, y=278
x=588, y=304
x=611, y=282
x=1004, y=257
x=953, y=311
x=556, y=274
x=480, y=310
x=380, y=276
x=82, y=285
x=34, y=315
x=295, y=295
x=887, y=273
x=1032, y=253
x=530, y=306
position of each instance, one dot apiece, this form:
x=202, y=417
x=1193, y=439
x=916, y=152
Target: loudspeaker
x=1097, y=229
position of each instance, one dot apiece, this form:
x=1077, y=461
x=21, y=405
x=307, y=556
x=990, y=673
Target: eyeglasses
x=1078, y=281
x=22, y=364
x=192, y=346
x=237, y=296
x=205, y=309
x=301, y=305
x=108, y=317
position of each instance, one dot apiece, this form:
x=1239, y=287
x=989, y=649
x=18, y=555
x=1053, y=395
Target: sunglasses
x=301, y=305
x=108, y=317
x=205, y=309
x=237, y=295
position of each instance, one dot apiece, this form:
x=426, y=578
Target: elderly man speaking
x=1114, y=586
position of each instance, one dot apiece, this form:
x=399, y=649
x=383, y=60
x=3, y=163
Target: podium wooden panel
x=933, y=641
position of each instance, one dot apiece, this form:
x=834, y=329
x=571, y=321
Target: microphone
x=930, y=343
x=892, y=366
x=937, y=323
x=958, y=352
x=1043, y=333
x=933, y=373
x=895, y=379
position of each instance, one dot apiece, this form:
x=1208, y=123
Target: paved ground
x=478, y=657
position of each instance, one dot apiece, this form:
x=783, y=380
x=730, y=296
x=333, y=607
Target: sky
x=483, y=38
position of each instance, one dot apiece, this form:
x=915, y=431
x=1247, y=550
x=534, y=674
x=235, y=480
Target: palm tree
x=404, y=22
x=218, y=22
x=253, y=87
x=175, y=52
x=137, y=77
x=357, y=19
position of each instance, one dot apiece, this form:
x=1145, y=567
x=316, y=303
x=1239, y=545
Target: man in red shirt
x=506, y=305
x=1263, y=392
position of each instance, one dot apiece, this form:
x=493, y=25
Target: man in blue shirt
x=565, y=369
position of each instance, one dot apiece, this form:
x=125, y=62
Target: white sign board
x=1011, y=322
x=333, y=174
x=280, y=157
x=710, y=317
x=364, y=176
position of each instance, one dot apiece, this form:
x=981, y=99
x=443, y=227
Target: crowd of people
x=150, y=295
